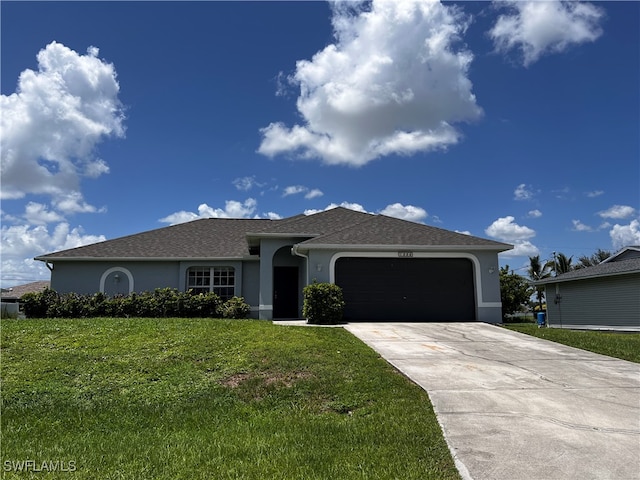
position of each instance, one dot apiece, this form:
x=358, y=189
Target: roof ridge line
x=372, y=216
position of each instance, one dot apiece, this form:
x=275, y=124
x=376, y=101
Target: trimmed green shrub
x=323, y=303
x=235, y=307
x=68, y=305
x=121, y=306
x=96, y=305
x=36, y=304
x=161, y=303
x=201, y=305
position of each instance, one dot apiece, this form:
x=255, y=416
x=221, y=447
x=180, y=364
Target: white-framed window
x=219, y=280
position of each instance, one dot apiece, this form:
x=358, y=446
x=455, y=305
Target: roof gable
x=320, y=223
x=624, y=254
x=384, y=230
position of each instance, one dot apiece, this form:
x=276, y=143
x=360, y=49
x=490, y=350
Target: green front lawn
x=202, y=399
x=625, y=346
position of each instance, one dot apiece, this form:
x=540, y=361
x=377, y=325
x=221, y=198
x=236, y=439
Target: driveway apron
x=512, y=406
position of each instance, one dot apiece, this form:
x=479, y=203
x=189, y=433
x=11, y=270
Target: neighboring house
x=603, y=297
x=389, y=269
x=10, y=297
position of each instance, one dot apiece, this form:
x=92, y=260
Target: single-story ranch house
x=603, y=297
x=10, y=297
x=389, y=269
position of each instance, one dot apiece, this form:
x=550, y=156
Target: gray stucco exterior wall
x=86, y=277
x=251, y=286
x=125, y=277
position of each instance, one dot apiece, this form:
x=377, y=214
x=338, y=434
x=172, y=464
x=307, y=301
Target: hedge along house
x=389, y=269
x=603, y=297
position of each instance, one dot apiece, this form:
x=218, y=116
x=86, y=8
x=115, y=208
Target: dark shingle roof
x=605, y=269
x=20, y=290
x=204, y=238
x=320, y=223
x=228, y=238
x=383, y=230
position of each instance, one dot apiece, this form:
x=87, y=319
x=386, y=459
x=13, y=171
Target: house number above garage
x=405, y=254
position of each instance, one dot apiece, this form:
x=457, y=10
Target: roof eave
x=253, y=239
x=401, y=247
x=145, y=259
x=281, y=235
x=547, y=281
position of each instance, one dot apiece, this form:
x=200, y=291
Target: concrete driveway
x=515, y=407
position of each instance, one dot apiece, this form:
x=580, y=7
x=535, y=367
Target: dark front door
x=285, y=292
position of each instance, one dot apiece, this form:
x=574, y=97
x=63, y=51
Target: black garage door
x=411, y=289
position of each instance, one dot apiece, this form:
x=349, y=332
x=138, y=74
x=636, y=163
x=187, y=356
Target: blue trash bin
x=541, y=319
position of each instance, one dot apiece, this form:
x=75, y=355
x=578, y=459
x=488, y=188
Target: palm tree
x=601, y=255
x=562, y=264
x=538, y=271
x=594, y=259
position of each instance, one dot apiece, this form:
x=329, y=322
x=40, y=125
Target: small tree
x=539, y=271
x=595, y=259
x=323, y=303
x=515, y=291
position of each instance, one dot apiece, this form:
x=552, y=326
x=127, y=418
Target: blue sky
x=512, y=121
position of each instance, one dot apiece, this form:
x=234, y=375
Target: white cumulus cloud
x=313, y=193
x=396, y=210
x=505, y=229
x=232, y=209
x=536, y=28
x=246, y=183
x=618, y=212
x=578, y=226
x=308, y=193
x=521, y=248
x=405, y=212
x=53, y=122
x=273, y=216
x=625, y=235
x=20, y=243
x=293, y=189
x=534, y=213
x=39, y=214
x=523, y=192
x=394, y=82
x=351, y=206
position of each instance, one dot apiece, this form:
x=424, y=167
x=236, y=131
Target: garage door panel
x=422, y=289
